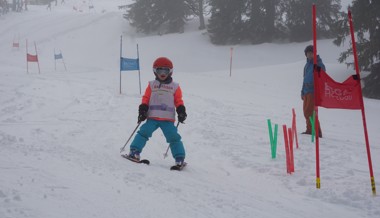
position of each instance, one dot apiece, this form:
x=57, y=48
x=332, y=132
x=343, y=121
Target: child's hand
x=182, y=117
x=143, y=112
x=141, y=118
x=181, y=111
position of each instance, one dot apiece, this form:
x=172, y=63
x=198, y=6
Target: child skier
x=162, y=98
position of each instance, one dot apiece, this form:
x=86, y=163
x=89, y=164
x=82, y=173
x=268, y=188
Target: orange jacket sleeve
x=146, y=96
x=178, y=97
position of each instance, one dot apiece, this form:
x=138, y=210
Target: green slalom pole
x=312, y=121
x=272, y=139
x=275, y=140
x=270, y=136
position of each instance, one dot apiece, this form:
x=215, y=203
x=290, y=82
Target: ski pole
x=122, y=149
x=167, y=150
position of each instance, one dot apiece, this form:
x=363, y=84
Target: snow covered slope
x=61, y=132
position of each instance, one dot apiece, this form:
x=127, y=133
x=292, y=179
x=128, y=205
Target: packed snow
x=61, y=131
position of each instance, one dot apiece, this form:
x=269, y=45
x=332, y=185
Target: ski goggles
x=162, y=70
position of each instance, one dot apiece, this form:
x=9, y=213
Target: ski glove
x=181, y=111
x=318, y=68
x=143, y=112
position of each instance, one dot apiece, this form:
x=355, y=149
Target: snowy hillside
x=61, y=132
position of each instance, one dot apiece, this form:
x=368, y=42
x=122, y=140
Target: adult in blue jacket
x=307, y=92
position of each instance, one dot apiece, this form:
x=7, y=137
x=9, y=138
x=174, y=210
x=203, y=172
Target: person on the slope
x=162, y=98
x=307, y=92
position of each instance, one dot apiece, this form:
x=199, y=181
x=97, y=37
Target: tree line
x=265, y=21
x=366, y=20
x=236, y=21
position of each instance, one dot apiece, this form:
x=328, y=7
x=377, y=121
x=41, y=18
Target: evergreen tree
x=256, y=27
x=298, y=18
x=164, y=16
x=270, y=18
x=226, y=22
x=175, y=15
x=144, y=16
x=262, y=19
x=259, y=21
x=366, y=21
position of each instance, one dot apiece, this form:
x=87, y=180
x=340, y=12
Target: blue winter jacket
x=308, y=79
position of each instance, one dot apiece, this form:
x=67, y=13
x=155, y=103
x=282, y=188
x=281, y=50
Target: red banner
x=31, y=58
x=332, y=94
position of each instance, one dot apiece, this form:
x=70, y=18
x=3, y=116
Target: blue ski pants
x=170, y=133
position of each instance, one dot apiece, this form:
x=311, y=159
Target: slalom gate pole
x=63, y=61
x=373, y=184
x=291, y=153
x=312, y=121
x=272, y=138
x=121, y=51
x=55, y=62
x=167, y=149
x=122, y=149
x=38, y=62
x=138, y=58
x=294, y=127
x=318, y=178
x=286, y=149
x=275, y=140
x=27, y=62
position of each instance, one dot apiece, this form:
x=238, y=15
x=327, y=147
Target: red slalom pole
x=373, y=184
x=316, y=126
x=288, y=169
x=38, y=63
x=294, y=127
x=291, y=153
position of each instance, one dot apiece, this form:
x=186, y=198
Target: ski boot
x=134, y=155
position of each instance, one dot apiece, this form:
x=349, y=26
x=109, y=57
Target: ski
x=178, y=167
x=143, y=161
